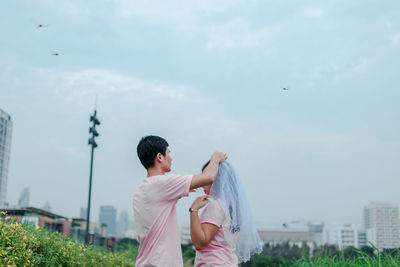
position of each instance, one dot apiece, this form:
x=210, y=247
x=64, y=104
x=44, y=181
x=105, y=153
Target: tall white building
x=362, y=239
x=316, y=231
x=341, y=235
x=381, y=223
x=5, y=146
x=185, y=235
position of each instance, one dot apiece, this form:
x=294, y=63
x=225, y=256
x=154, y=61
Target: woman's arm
x=201, y=234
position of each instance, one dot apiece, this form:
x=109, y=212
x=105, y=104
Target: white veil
x=228, y=188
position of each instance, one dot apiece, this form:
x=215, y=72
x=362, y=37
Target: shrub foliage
x=26, y=245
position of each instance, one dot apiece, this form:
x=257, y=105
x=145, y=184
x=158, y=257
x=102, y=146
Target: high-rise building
x=5, y=146
x=83, y=213
x=47, y=206
x=23, y=200
x=185, y=235
x=316, y=230
x=123, y=223
x=362, y=239
x=108, y=216
x=381, y=223
x=341, y=235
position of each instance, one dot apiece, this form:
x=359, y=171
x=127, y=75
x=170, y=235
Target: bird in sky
x=38, y=25
x=285, y=88
x=55, y=54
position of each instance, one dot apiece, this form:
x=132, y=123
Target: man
x=155, y=199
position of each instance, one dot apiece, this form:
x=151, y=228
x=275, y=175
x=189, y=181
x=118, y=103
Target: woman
x=224, y=234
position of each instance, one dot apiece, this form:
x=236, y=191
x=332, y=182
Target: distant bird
x=285, y=88
x=41, y=25
x=284, y=225
x=38, y=25
x=55, y=54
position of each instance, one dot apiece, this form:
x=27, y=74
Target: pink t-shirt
x=156, y=222
x=221, y=250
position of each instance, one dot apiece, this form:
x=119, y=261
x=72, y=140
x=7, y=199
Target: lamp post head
x=93, y=130
x=95, y=120
x=92, y=142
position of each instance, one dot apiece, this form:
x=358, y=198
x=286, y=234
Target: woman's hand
x=201, y=234
x=199, y=202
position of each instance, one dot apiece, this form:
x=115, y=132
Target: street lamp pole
x=93, y=143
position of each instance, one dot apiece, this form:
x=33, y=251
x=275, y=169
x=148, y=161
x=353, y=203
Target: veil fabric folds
x=229, y=190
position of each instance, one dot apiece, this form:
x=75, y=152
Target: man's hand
x=210, y=172
x=220, y=156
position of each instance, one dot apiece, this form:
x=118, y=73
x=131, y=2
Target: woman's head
x=228, y=189
x=225, y=188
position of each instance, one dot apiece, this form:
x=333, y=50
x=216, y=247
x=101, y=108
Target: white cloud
x=395, y=38
x=234, y=34
x=313, y=12
x=175, y=11
x=73, y=151
x=80, y=84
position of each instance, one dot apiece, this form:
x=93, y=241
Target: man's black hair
x=149, y=147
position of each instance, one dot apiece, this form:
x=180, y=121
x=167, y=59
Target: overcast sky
x=206, y=75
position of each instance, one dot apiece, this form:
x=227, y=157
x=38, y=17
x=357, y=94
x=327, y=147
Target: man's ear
x=159, y=157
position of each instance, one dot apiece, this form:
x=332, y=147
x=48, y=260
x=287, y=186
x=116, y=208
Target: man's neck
x=153, y=171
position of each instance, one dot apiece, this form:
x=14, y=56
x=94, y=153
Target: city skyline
x=206, y=76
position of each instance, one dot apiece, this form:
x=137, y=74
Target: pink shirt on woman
x=221, y=250
x=156, y=222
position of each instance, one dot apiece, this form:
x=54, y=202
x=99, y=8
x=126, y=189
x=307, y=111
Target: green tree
x=128, y=246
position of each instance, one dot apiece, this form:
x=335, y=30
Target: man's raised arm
x=210, y=172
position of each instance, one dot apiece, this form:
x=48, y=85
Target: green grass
x=384, y=261
x=359, y=258
x=25, y=245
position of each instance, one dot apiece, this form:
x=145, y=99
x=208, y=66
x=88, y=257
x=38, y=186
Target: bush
x=270, y=261
x=25, y=245
x=128, y=247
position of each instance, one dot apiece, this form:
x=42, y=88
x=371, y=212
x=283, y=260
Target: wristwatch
x=192, y=210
